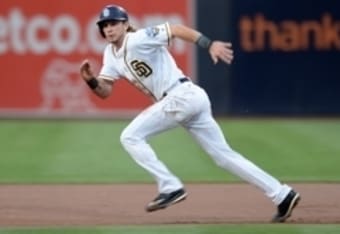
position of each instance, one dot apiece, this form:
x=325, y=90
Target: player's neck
x=119, y=43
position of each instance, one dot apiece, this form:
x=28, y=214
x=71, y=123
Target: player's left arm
x=99, y=85
x=217, y=49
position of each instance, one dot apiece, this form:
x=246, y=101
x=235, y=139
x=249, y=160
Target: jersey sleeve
x=107, y=70
x=159, y=35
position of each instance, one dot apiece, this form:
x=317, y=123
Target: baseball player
x=141, y=56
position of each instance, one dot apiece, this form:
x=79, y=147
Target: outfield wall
x=286, y=56
x=43, y=44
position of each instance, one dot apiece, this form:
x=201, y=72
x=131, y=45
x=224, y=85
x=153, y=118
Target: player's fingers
x=226, y=60
x=228, y=50
x=84, y=62
x=214, y=58
x=85, y=65
x=226, y=57
x=85, y=70
x=228, y=53
x=227, y=44
x=223, y=51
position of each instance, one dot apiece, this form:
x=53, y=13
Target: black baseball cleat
x=285, y=208
x=164, y=200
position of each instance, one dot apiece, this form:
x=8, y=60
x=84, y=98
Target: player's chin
x=111, y=39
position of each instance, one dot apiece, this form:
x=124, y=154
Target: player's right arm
x=101, y=87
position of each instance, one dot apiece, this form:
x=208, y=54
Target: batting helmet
x=110, y=13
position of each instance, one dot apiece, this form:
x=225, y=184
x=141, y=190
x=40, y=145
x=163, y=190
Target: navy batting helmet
x=110, y=13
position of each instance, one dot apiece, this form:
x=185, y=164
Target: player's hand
x=85, y=71
x=221, y=51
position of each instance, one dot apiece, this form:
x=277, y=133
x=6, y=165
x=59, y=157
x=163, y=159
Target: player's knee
x=220, y=162
x=127, y=139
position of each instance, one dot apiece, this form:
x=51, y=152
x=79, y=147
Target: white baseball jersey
x=144, y=60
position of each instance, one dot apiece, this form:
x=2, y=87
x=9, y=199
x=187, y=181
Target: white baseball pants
x=188, y=105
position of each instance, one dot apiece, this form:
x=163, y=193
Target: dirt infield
x=87, y=205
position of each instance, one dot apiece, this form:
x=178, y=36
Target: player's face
x=115, y=31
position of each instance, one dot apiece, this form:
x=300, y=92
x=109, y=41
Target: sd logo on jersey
x=141, y=68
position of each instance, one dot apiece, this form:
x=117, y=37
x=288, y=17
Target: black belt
x=184, y=79
x=181, y=80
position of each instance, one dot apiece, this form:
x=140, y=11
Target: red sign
x=43, y=44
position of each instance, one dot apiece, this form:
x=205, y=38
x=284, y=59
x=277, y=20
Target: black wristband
x=92, y=83
x=204, y=42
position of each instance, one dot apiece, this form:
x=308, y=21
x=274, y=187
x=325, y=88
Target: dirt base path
x=86, y=205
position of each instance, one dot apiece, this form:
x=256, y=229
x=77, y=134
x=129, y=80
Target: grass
x=188, y=229
x=90, y=151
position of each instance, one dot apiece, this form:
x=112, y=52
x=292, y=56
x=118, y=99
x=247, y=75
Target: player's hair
x=131, y=29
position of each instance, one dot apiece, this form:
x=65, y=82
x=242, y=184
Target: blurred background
x=286, y=65
x=286, y=56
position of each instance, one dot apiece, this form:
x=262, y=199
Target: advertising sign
x=43, y=44
x=286, y=57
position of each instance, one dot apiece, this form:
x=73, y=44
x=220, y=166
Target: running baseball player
x=141, y=56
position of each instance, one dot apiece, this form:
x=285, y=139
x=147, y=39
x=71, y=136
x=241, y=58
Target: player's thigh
x=149, y=122
x=206, y=131
x=187, y=102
